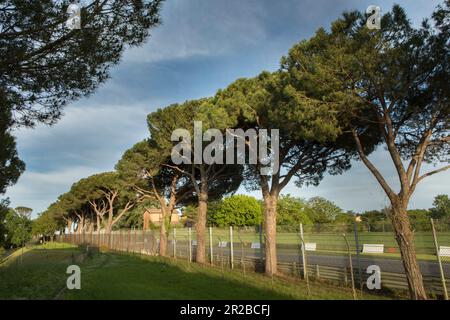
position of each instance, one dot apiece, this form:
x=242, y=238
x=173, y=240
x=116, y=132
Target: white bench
x=310, y=246
x=373, y=248
x=222, y=244
x=256, y=245
x=444, y=251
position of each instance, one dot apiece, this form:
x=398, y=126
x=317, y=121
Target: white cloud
x=38, y=190
x=202, y=28
x=88, y=140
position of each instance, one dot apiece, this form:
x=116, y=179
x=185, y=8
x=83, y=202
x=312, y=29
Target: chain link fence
x=325, y=250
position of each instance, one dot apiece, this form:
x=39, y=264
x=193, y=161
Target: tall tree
x=397, y=78
x=3, y=212
x=18, y=229
x=11, y=167
x=237, y=210
x=310, y=139
x=108, y=195
x=44, y=65
x=291, y=211
x=45, y=225
x=210, y=180
x=143, y=168
x=75, y=210
x=24, y=211
x=322, y=210
x=441, y=207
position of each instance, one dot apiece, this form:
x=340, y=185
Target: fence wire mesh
x=325, y=249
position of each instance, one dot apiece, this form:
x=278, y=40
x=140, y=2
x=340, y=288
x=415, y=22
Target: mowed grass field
x=40, y=273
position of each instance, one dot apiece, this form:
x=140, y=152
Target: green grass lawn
x=37, y=272
x=40, y=274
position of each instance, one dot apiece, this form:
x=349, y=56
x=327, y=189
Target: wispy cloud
x=39, y=189
x=88, y=140
x=86, y=135
x=203, y=28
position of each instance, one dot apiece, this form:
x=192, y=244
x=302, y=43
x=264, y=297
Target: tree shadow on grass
x=128, y=277
x=37, y=274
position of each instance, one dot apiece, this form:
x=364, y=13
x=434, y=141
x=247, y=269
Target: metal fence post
x=303, y=252
x=444, y=285
x=147, y=242
x=242, y=255
x=231, y=248
x=358, y=260
x=345, y=276
x=305, y=262
x=141, y=242
x=221, y=255
x=351, y=267
x=261, y=246
x=121, y=240
x=190, y=244
x=175, y=243
x=135, y=238
x=211, y=246
x=129, y=240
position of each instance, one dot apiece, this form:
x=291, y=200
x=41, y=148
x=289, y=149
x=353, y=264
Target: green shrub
x=237, y=210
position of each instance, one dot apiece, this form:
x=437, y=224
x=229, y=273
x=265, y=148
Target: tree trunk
x=201, y=226
x=80, y=227
x=165, y=225
x=163, y=233
x=399, y=205
x=69, y=226
x=405, y=240
x=108, y=228
x=270, y=225
x=98, y=224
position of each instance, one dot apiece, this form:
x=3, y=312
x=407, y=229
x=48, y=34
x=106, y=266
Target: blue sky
x=201, y=46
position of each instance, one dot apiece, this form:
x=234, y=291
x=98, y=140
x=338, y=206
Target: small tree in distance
x=24, y=211
x=291, y=211
x=18, y=229
x=237, y=210
x=441, y=207
x=45, y=225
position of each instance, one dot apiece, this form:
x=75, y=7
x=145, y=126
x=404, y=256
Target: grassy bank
x=36, y=272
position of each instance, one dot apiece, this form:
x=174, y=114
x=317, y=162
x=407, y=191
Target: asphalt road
x=385, y=264
x=332, y=260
